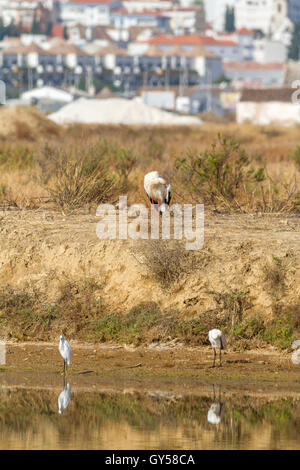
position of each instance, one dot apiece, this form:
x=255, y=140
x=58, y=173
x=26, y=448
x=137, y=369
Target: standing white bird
x=218, y=341
x=158, y=191
x=65, y=351
x=64, y=398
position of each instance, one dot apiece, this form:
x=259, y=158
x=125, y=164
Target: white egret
x=218, y=341
x=158, y=191
x=64, y=398
x=65, y=351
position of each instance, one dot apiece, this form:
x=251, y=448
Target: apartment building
x=88, y=12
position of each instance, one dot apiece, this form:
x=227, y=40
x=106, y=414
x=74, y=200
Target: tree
x=294, y=49
x=35, y=28
x=229, y=19
x=2, y=29
x=65, y=33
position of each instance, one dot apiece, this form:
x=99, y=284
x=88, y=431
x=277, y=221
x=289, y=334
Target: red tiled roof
x=90, y=2
x=192, y=39
x=125, y=12
x=245, y=31
x=57, y=31
x=253, y=66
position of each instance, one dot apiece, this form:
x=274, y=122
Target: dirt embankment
x=248, y=266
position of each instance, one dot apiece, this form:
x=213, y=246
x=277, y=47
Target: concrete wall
x=268, y=112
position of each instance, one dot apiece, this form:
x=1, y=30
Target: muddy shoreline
x=108, y=367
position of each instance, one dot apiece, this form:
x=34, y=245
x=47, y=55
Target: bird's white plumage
x=217, y=339
x=157, y=189
x=65, y=350
x=64, y=398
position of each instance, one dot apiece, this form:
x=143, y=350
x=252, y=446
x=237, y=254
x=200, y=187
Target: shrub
x=249, y=328
x=166, y=261
x=221, y=173
x=82, y=180
x=275, y=275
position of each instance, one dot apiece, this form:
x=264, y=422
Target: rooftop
x=253, y=66
x=267, y=94
x=190, y=39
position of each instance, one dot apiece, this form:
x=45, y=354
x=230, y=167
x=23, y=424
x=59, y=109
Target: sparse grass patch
x=249, y=328
x=275, y=276
x=232, y=303
x=166, y=261
x=82, y=181
x=280, y=332
x=137, y=326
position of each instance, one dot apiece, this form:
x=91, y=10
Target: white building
x=268, y=51
x=88, y=12
x=268, y=106
x=250, y=74
x=227, y=49
x=264, y=15
x=146, y=5
x=17, y=10
x=47, y=92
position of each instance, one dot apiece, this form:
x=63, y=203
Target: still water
x=67, y=417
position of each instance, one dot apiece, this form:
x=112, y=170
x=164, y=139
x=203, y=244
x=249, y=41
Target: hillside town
x=187, y=56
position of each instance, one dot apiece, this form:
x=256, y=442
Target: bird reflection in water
x=2, y=352
x=296, y=352
x=216, y=411
x=64, y=397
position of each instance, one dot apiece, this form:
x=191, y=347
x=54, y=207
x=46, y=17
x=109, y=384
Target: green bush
x=221, y=173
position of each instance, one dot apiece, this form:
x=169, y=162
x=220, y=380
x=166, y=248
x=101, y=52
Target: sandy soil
x=44, y=249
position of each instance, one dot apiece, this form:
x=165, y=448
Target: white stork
x=218, y=341
x=158, y=191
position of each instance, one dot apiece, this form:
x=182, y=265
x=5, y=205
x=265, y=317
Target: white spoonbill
x=158, y=190
x=65, y=351
x=218, y=341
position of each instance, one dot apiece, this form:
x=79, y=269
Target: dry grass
x=166, y=262
x=30, y=176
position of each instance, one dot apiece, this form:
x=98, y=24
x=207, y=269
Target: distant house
x=68, y=55
x=23, y=56
x=122, y=18
x=187, y=100
x=250, y=74
x=142, y=5
x=266, y=106
x=114, y=58
x=196, y=60
x=47, y=92
x=268, y=51
x=87, y=12
x=227, y=49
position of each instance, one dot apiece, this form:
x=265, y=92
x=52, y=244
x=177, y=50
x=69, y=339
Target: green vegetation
x=221, y=174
